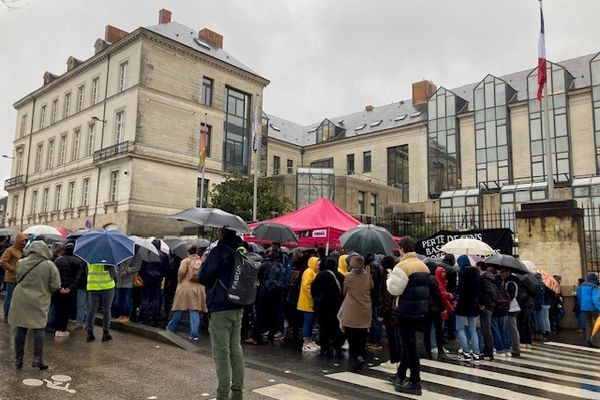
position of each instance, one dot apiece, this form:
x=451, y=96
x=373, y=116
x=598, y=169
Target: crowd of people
x=326, y=303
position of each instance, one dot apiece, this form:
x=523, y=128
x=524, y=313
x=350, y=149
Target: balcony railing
x=113, y=151
x=14, y=182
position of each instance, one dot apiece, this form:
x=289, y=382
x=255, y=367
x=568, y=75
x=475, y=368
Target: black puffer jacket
x=414, y=302
x=326, y=293
x=487, y=291
x=71, y=270
x=468, y=292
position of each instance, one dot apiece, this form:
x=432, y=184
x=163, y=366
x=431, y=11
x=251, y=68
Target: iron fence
x=591, y=238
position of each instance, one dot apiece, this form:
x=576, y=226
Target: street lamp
x=96, y=119
x=5, y=156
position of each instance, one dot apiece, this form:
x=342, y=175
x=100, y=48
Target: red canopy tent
x=318, y=223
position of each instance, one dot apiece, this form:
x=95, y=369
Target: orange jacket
x=11, y=256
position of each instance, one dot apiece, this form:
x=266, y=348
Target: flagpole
x=546, y=133
x=256, y=148
x=203, y=166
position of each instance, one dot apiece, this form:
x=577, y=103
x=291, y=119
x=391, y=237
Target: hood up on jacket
x=592, y=278
x=39, y=249
x=313, y=264
x=330, y=264
x=343, y=265
x=20, y=241
x=440, y=278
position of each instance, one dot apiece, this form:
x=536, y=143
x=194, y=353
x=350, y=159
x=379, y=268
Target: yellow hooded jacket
x=343, y=265
x=305, y=300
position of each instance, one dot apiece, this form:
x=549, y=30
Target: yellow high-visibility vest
x=98, y=278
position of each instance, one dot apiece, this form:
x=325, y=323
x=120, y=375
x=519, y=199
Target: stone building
x=116, y=138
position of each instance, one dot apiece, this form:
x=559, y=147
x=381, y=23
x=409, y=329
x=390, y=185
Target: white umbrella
x=145, y=243
x=529, y=264
x=42, y=230
x=468, y=247
x=164, y=247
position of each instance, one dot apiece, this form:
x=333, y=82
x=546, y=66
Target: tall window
x=314, y=183
x=50, y=159
x=367, y=161
x=80, y=97
x=204, y=194
x=54, y=115
x=595, y=69
x=123, y=76
x=89, y=148
x=34, y=200
x=460, y=208
x=67, y=105
x=19, y=161
x=443, y=157
x=62, y=150
x=57, y=197
x=71, y=195
x=207, y=91
x=324, y=163
x=374, y=204
x=237, y=131
x=350, y=164
x=276, y=165
x=23, y=130
x=397, y=169
x=114, y=185
x=361, y=202
x=39, y=153
x=94, y=94
x=492, y=132
x=120, y=127
x=290, y=167
x=15, y=205
x=208, y=138
x=76, y=144
x=43, y=116
x=45, y=196
x=559, y=81
x=85, y=192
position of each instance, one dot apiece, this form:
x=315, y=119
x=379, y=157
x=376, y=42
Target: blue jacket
x=219, y=265
x=587, y=296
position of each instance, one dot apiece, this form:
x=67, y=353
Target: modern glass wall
x=237, y=132
x=314, y=183
x=595, y=74
x=586, y=191
x=397, y=165
x=460, y=208
x=492, y=132
x=559, y=81
x=328, y=131
x=443, y=166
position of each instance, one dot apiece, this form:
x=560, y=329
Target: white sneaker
x=446, y=350
x=61, y=333
x=310, y=348
x=508, y=354
x=346, y=346
x=434, y=351
x=389, y=365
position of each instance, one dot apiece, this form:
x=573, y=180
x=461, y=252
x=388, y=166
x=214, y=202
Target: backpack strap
x=336, y=281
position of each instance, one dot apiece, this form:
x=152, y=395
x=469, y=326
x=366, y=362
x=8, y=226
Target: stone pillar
x=551, y=235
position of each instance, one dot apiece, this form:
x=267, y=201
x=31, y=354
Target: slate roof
x=391, y=115
x=189, y=37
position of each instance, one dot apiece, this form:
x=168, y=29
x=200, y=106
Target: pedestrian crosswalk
x=550, y=371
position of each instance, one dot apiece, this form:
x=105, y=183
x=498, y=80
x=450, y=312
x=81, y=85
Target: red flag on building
x=541, y=59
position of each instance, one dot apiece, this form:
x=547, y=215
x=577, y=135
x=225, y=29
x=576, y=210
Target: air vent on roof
x=199, y=43
x=358, y=128
x=376, y=123
x=415, y=115
x=275, y=127
x=313, y=130
x=400, y=118
x=341, y=122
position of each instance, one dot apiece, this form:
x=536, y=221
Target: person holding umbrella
x=101, y=291
x=126, y=272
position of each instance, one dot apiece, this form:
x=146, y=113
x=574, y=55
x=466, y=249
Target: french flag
x=541, y=60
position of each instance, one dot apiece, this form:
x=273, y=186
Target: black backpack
x=275, y=282
x=502, y=301
x=242, y=289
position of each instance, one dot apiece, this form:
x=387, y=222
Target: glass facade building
x=595, y=74
x=397, y=169
x=237, y=131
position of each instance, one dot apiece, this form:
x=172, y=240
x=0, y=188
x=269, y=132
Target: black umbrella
x=439, y=262
x=212, y=218
x=508, y=262
x=368, y=239
x=173, y=241
x=275, y=233
x=78, y=233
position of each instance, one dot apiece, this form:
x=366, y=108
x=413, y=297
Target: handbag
x=138, y=282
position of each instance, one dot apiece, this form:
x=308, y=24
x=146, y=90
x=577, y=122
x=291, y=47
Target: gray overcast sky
x=323, y=57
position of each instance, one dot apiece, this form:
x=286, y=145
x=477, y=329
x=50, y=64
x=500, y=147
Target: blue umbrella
x=108, y=247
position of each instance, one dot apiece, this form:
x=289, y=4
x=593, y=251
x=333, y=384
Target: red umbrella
x=63, y=232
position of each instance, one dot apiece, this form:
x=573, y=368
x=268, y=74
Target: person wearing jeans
x=511, y=333
x=305, y=304
x=487, y=303
x=126, y=271
x=189, y=295
x=8, y=262
x=101, y=290
x=467, y=308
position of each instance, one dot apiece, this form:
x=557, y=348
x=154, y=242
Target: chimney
x=164, y=16
x=113, y=34
x=212, y=38
x=369, y=108
x=422, y=91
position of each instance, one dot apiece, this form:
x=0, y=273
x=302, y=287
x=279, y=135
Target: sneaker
x=476, y=358
x=193, y=339
x=446, y=350
x=61, y=333
x=409, y=387
x=345, y=346
x=465, y=357
x=278, y=336
x=434, y=351
x=310, y=348
x=389, y=365
x=508, y=354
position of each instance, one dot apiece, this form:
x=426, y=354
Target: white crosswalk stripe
x=572, y=346
x=538, y=375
